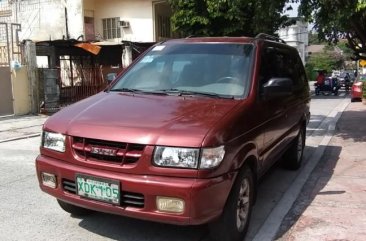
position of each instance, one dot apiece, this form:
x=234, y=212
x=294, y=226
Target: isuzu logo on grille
x=103, y=151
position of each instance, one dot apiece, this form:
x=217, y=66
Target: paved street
x=24, y=205
x=331, y=206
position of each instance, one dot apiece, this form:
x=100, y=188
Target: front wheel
x=234, y=221
x=74, y=210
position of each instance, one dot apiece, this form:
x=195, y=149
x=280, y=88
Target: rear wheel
x=234, y=221
x=293, y=156
x=72, y=209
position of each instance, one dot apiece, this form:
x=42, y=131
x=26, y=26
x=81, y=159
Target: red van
x=183, y=135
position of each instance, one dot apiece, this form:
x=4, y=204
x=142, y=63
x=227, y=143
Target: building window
x=111, y=28
x=163, y=28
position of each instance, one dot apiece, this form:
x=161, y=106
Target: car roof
x=227, y=39
x=213, y=40
x=260, y=38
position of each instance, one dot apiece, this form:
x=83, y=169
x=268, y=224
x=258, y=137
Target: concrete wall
x=21, y=91
x=47, y=21
x=139, y=13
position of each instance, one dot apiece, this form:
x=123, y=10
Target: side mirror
x=277, y=87
x=111, y=77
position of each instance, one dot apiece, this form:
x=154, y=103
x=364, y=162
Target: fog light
x=169, y=204
x=49, y=180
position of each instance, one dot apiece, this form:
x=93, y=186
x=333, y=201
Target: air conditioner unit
x=124, y=24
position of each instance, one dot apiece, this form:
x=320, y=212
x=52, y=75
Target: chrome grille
x=107, y=151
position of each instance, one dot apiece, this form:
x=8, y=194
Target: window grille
x=111, y=28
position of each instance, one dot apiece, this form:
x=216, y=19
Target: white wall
x=138, y=13
x=46, y=20
x=297, y=36
x=75, y=18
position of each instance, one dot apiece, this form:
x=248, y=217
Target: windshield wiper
x=138, y=91
x=125, y=90
x=199, y=93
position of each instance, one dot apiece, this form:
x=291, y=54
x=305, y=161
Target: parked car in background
x=356, y=90
x=342, y=78
x=183, y=135
x=336, y=73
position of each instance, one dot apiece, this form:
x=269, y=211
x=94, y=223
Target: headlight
x=212, y=157
x=176, y=157
x=53, y=141
x=188, y=157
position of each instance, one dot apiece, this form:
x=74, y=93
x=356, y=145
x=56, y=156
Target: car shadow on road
x=318, y=179
x=350, y=134
x=352, y=127
x=128, y=229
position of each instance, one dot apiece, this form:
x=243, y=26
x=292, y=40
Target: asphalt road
x=29, y=214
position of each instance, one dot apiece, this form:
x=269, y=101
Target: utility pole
x=67, y=24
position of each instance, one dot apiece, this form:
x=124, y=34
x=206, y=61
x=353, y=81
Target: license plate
x=101, y=189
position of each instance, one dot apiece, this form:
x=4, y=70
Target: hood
x=142, y=119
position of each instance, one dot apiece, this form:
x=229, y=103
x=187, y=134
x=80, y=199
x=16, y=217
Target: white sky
x=293, y=13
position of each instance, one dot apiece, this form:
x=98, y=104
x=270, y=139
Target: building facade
x=296, y=35
x=92, y=20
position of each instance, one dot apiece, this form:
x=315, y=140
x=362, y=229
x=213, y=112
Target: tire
x=293, y=156
x=74, y=210
x=234, y=221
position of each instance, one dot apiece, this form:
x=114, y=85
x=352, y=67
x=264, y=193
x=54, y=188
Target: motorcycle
x=330, y=86
x=347, y=85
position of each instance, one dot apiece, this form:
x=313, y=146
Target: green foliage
x=314, y=39
x=227, y=17
x=336, y=19
x=327, y=60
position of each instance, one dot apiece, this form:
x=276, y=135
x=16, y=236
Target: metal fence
x=76, y=79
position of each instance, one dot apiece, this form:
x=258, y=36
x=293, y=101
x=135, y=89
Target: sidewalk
x=19, y=127
x=332, y=203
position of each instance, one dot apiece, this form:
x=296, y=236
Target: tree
x=328, y=60
x=314, y=39
x=227, y=17
x=336, y=19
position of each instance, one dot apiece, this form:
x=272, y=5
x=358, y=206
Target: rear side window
x=282, y=63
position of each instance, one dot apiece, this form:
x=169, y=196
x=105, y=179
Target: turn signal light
x=49, y=180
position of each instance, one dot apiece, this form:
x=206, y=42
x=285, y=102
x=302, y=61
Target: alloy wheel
x=243, y=205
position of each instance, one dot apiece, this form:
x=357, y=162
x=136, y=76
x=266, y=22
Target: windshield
x=213, y=69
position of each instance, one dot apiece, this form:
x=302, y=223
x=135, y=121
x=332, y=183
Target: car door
x=273, y=64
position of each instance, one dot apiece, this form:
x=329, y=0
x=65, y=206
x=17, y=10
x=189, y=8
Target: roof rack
x=270, y=37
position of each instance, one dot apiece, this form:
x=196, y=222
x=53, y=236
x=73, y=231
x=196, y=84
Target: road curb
x=20, y=138
x=270, y=227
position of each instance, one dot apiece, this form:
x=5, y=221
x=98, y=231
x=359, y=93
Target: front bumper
x=204, y=198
